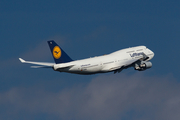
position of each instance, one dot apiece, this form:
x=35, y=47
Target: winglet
x=22, y=60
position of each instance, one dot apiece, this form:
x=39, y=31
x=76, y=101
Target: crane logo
x=57, y=52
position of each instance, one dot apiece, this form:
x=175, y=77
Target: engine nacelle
x=143, y=65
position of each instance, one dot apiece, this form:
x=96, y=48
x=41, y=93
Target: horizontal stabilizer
x=41, y=67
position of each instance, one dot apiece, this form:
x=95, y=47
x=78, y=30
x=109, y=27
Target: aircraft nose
x=152, y=53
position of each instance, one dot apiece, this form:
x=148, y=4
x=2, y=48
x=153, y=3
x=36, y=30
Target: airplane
x=138, y=57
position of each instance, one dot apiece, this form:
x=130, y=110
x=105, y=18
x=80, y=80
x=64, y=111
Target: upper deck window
x=139, y=50
x=130, y=51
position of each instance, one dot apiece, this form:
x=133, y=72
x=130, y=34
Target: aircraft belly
x=92, y=69
x=85, y=70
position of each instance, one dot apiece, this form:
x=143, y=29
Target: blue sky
x=86, y=29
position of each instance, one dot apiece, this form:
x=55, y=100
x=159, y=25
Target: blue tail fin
x=58, y=54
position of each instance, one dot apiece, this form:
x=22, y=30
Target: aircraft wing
x=42, y=64
x=145, y=57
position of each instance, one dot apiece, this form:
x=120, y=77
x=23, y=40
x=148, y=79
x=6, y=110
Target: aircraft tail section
x=58, y=54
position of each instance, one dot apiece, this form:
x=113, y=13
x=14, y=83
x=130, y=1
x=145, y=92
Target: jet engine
x=142, y=65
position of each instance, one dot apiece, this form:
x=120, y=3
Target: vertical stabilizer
x=58, y=54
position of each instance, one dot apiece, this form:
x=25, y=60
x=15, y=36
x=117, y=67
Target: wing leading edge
x=42, y=64
x=45, y=65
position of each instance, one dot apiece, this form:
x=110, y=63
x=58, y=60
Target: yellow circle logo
x=57, y=52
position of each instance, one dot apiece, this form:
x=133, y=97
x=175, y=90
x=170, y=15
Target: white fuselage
x=105, y=63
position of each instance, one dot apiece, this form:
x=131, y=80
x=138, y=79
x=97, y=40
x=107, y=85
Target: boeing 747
x=137, y=57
